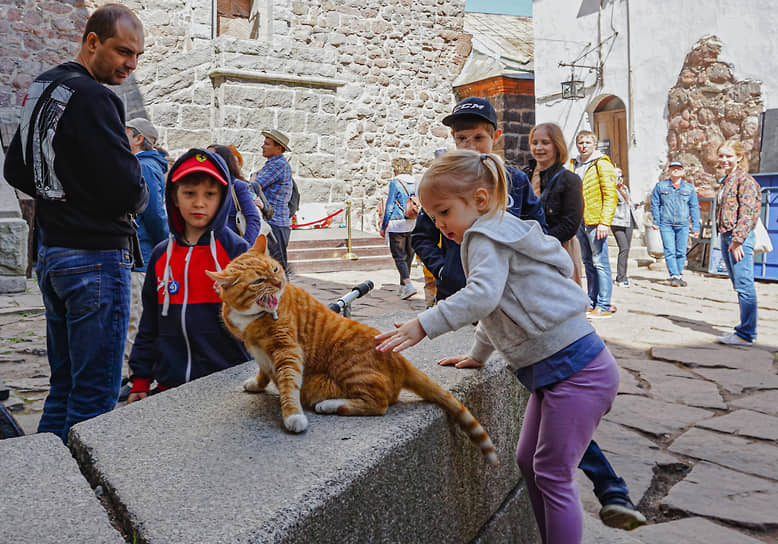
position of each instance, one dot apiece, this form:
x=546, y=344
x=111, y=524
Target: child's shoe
x=621, y=514
x=407, y=290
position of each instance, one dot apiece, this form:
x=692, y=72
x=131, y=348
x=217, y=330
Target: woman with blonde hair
x=738, y=204
x=559, y=189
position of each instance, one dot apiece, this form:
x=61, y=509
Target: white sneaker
x=407, y=291
x=733, y=339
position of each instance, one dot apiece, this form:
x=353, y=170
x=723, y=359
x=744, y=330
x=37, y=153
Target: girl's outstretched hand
x=406, y=335
x=461, y=361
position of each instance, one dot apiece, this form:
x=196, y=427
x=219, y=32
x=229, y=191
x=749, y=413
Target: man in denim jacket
x=672, y=202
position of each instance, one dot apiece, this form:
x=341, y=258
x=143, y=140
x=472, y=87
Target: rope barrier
x=298, y=225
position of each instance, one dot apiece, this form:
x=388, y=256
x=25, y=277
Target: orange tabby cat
x=317, y=358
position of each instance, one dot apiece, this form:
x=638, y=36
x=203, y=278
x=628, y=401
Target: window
x=238, y=18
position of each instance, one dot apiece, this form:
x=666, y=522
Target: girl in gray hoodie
x=529, y=310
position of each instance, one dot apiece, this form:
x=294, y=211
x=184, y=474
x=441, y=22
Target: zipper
x=183, y=316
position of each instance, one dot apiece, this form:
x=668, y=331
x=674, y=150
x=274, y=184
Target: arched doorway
x=610, y=125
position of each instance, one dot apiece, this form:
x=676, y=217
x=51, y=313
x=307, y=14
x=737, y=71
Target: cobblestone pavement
x=694, y=430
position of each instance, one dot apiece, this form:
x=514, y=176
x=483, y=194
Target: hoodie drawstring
x=166, y=276
x=213, y=252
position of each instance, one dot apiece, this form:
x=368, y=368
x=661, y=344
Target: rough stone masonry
x=353, y=84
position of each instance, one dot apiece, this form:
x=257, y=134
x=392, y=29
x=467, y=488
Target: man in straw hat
x=275, y=178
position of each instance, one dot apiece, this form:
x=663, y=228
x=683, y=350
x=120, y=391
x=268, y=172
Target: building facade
x=660, y=80
x=353, y=84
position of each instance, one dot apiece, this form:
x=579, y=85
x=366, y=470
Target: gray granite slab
x=750, y=456
x=652, y=366
x=691, y=392
x=207, y=462
x=716, y=492
x=737, y=381
x=44, y=498
x=628, y=384
x=654, y=416
x=694, y=530
x=744, y=423
x=765, y=402
x=717, y=356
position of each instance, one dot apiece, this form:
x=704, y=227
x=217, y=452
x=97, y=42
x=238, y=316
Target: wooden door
x=611, y=129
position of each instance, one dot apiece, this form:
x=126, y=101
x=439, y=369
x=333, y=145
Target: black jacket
x=562, y=200
x=85, y=179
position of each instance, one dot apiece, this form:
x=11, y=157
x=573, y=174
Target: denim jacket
x=671, y=206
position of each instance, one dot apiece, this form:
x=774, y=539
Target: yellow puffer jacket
x=599, y=191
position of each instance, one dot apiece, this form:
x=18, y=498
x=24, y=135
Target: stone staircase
x=324, y=250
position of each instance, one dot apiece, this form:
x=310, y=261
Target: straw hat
x=278, y=137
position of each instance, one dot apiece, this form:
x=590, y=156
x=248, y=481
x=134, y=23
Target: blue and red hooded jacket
x=181, y=335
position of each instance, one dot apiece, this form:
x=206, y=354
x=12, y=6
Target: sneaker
x=733, y=339
x=625, y=283
x=407, y=290
x=674, y=282
x=622, y=514
x=599, y=313
x=681, y=283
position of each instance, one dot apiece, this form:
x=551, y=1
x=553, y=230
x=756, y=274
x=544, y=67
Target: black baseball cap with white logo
x=472, y=107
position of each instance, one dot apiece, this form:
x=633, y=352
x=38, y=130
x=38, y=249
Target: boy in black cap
x=473, y=125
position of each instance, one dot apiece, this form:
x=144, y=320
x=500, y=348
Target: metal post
x=350, y=255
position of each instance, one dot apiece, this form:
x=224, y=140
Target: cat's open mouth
x=269, y=302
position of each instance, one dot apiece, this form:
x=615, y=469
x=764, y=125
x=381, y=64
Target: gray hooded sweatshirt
x=518, y=289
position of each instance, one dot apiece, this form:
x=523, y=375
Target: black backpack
x=294, y=200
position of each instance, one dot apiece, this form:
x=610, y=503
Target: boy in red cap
x=181, y=336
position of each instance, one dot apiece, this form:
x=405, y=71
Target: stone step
x=324, y=251
x=337, y=263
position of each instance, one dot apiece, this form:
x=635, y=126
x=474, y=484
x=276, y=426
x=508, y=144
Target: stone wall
x=353, y=85
x=707, y=106
x=36, y=35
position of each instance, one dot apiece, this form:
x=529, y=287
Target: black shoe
x=124, y=392
x=621, y=514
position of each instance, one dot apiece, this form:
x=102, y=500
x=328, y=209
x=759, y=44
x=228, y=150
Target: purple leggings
x=558, y=424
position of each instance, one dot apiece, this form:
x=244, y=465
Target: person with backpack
x=275, y=179
x=399, y=219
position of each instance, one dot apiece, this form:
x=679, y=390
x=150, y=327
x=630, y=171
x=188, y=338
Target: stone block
x=195, y=117
x=279, y=99
x=182, y=139
x=317, y=166
x=13, y=284
x=165, y=115
x=243, y=95
x=13, y=245
x=290, y=121
x=346, y=479
x=45, y=498
x=256, y=118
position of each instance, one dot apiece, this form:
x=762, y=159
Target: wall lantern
x=574, y=88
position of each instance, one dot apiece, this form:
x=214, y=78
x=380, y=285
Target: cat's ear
x=221, y=278
x=261, y=244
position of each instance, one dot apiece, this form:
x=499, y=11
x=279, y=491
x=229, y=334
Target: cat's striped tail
x=424, y=386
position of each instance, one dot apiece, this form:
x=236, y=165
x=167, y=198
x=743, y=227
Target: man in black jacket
x=71, y=152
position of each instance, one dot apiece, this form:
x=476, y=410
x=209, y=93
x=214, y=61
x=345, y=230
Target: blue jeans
x=402, y=253
x=607, y=484
x=599, y=281
x=674, y=240
x=277, y=249
x=87, y=299
x=742, y=275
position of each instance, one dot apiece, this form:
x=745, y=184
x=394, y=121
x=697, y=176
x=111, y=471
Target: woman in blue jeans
x=738, y=204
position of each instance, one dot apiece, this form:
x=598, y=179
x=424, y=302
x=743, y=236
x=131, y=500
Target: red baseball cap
x=199, y=162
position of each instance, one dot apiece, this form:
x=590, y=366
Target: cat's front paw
x=296, y=423
x=329, y=406
x=252, y=386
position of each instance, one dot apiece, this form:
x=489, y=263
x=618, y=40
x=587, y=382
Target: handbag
x=762, y=243
x=240, y=219
x=412, y=204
